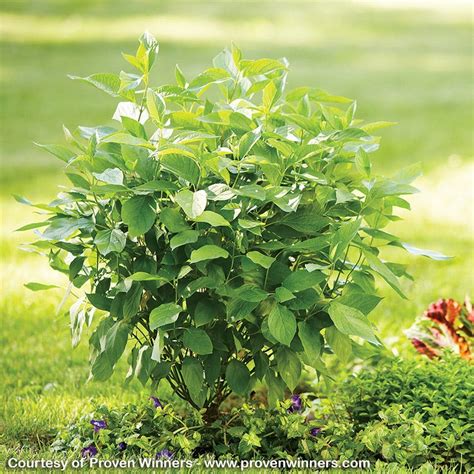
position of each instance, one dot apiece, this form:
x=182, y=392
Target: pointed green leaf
x=183, y=238
x=139, y=214
x=351, y=321
x=289, y=367
x=193, y=375
x=213, y=219
x=34, y=286
x=310, y=337
x=238, y=376
x=198, y=341
x=282, y=324
x=182, y=167
x=110, y=240
x=208, y=252
x=261, y=259
x=425, y=253
x=340, y=343
x=193, y=204
x=165, y=314
x=379, y=267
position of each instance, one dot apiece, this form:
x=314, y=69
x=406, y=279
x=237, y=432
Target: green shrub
x=227, y=238
x=405, y=412
x=402, y=414
x=247, y=432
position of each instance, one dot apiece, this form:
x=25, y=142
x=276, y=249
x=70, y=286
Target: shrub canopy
x=227, y=229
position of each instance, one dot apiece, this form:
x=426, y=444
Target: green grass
x=410, y=66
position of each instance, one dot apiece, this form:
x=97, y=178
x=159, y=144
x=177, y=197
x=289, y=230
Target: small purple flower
x=164, y=454
x=314, y=431
x=98, y=425
x=89, y=451
x=122, y=446
x=156, y=402
x=296, y=404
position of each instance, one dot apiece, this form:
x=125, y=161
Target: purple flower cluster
x=89, y=451
x=156, y=402
x=296, y=404
x=98, y=425
x=315, y=431
x=164, y=454
x=122, y=446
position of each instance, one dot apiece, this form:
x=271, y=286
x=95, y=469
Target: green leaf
x=35, y=225
x=156, y=105
x=193, y=375
x=364, y=302
x=158, y=345
x=206, y=310
x=173, y=219
x=261, y=259
x=116, y=340
x=208, y=252
x=351, y=321
x=307, y=220
x=110, y=176
x=253, y=191
x=362, y=162
x=109, y=83
x=155, y=185
x=139, y=214
x=276, y=388
x=343, y=237
x=63, y=227
x=289, y=367
x=282, y=294
x=269, y=96
x=180, y=79
x=261, y=66
x=34, y=286
x=247, y=141
x=193, y=204
x=107, y=241
x=208, y=77
x=339, y=343
x=370, y=127
x=213, y=219
x=198, y=341
x=282, y=324
x=238, y=376
x=59, y=151
x=182, y=167
x=165, y=314
x=251, y=293
x=425, y=253
x=144, y=276
x=183, y=238
x=300, y=280
x=310, y=337
x=378, y=266
x=238, y=309
x=127, y=139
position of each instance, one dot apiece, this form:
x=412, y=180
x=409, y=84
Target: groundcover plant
x=225, y=229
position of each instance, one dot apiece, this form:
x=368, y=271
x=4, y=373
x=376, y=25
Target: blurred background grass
x=408, y=62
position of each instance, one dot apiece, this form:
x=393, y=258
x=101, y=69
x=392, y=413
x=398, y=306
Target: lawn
x=406, y=65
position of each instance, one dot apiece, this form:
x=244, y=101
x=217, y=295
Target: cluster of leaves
x=232, y=238
x=445, y=325
x=406, y=412
x=248, y=432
